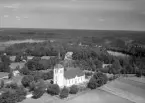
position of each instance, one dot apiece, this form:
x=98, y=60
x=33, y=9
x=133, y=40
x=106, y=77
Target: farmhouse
x=69, y=77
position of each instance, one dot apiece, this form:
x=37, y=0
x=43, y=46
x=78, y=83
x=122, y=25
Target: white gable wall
x=61, y=81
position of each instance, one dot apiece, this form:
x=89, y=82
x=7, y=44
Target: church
x=68, y=76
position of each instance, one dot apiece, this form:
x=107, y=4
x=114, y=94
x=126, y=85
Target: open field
x=128, y=87
x=125, y=88
x=44, y=99
x=98, y=96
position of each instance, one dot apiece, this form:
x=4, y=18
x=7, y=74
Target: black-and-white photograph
x=72, y=51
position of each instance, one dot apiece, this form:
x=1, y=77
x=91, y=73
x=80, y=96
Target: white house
x=69, y=77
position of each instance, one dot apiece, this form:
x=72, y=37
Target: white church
x=68, y=76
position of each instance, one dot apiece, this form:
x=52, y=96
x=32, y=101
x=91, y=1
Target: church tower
x=58, y=77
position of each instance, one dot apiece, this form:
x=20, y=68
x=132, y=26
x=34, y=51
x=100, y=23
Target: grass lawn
x=128, y=86
x=44, y=99
x=98, y=96
x=3, y=74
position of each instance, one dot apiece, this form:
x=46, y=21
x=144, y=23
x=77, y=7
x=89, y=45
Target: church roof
x=73, y=72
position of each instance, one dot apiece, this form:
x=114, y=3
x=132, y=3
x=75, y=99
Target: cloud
x=12, y=6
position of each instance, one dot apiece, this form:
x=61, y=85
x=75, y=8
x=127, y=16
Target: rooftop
x=73, y=72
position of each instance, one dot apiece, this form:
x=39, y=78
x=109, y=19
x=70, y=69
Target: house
x=106, y=65
x=69, y=77
x=68, y=56
x=45, y=57
x=30, y=57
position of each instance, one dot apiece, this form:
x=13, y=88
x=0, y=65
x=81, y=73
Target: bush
x=138, y=74
x=36, y=75
x=73, y=89
x=25, y=71
x=105, y=78
x=21, y=93
x=98, y=75
x=10, y=75
x=38, y=93
x=32, y=86
x=8, y=97
x=92, y=83
x=99, y=82
x=48, y=75
x=13, y=96
x=12, y=85
x=26, y=80
x=64, y=93
x=41, y=84
x=53, y=89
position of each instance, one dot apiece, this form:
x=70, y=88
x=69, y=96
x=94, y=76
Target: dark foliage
x=2, y=83
x=73, y=89
x=37, y=93
x=97, y=80
x=53, y=89
x=26, y=80
x=92, y=83
x=12, y=85
x=48, y=75
x=25, y=71
x=64, y=93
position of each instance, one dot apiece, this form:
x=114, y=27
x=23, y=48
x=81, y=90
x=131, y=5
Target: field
x=44, y=99
x=127, y=88
x=98, y=96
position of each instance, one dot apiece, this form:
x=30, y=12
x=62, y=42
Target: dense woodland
x=86, y=56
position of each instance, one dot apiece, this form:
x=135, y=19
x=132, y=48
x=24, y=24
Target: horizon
x=75, y=29
x=124, y=15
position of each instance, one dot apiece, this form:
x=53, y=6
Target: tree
x=4, y=67
x=92, y=83
x=37, y=93
x=26, y=80
x=21, y=93
x=12, y=85
x=64, y=93
x=73, y=89
x=32, y=86
x=5, y=59
x=34, y=65
x=2, y=84
x=97, y=80
x=18, y=58
x=25, y=71
x=98, y=63
x=10, y=75
x=48, y=75
x=53, y=89
x=8, y=97
x=13, y=95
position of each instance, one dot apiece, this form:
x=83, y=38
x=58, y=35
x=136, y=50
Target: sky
x=73, y=14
